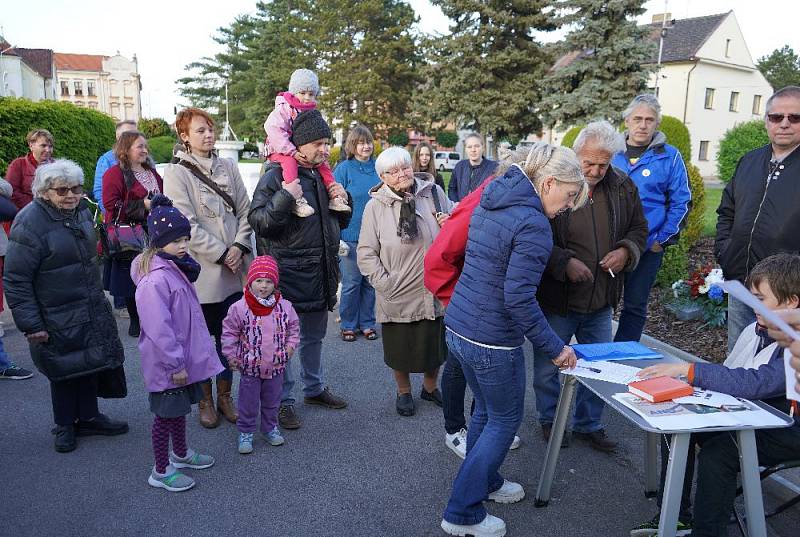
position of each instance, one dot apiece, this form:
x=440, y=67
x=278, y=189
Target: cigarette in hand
x=612, y=273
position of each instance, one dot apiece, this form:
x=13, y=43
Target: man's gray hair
x=61, y=170
x=647, y=99
x=394, y=157
x=793, y=92
x=603, y=135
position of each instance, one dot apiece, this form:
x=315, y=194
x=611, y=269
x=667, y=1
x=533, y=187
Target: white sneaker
x=302, y=208
x=515, y=444
x=491, y=526
x=510, y=492
x=457, y=442
x=2, y=329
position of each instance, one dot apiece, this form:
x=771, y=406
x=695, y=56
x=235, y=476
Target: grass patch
x=713, y=197
x=446, y=177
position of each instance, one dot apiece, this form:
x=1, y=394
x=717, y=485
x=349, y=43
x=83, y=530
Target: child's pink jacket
x=279, y=123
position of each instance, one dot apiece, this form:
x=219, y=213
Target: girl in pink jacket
x=177, y=352
x=259, y=335
x=302, y=96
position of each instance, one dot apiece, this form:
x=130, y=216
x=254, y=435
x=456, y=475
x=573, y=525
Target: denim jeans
x=357, y=304
x=313, y=326
x=453, y=387
x=497, y=380
x=637, y=292
x=587, y=328
x=5, y=361
x=739, y=316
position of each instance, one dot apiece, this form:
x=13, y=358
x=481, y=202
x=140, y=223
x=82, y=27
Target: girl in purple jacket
x=177, y=352
x=259, y=335
x=302, y=96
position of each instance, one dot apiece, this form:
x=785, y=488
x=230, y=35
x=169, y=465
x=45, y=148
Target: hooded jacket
x=463, y=181
x=509, y=243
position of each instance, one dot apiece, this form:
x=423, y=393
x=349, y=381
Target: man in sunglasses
x=759, y=214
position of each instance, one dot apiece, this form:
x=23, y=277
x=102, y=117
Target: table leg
x=651, y=467
x=673, y=486
x=556, y=436
x=751, y=483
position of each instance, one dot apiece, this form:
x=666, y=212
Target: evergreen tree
x=781, y=68
x=608, y=69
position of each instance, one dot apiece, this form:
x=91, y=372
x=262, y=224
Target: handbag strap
x=128, y=178
x=210, y=184
x=436, y=202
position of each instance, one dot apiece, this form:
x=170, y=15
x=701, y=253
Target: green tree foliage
x=153, y=128
x=781, y=68
x=571, y=135
x=161, y=148
x=608, y=69
x=398, y=137
x=487, y=74
x=736, y=142
x=80, y=134
x=447, y=138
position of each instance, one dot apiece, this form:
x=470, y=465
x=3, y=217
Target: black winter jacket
x=628, y=230
x=306, y=249
x=52, y=283
x=758, y=217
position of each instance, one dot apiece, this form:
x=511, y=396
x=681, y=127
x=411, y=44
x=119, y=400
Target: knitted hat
x=263, y=266
x=304, y=80
x=165, y=223
x=309, y=127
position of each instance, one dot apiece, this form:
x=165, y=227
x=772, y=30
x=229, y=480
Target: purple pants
x=255, y=392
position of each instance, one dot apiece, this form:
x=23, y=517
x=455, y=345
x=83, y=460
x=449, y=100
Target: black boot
x=101, y=425
x=65, y=438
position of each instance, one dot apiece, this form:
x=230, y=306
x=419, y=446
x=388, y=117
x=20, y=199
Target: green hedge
x=569, y=137
x=154, y=128
x=737, y=141
x=447, y=138
x=80, y=134
x=677, y=135
x=161, y=148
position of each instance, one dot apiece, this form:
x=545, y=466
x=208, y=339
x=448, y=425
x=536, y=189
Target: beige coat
x=395, y=270
x=214, y=226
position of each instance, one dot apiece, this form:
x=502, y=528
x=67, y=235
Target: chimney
x=659, y=18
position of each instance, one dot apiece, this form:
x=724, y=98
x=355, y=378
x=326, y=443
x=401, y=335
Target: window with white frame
x=709, y=102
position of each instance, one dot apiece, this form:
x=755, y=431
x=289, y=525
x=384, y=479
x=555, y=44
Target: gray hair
x=61, y=170
x=601, y=133
x=647, y=99
x=543, y=160
x=393, y=157
x=792, y=92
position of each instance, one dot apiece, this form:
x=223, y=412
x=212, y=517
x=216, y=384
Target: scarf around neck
x=186, y=264
x=407, y=223
x=261, y=307
x=294, y=102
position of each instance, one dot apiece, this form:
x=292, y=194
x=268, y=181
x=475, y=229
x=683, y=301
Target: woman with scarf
x=399, y=225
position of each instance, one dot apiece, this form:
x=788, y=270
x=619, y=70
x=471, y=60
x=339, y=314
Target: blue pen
x=592, y=369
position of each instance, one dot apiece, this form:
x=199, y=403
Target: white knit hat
x=304, y=80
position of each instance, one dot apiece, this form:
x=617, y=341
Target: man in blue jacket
x=470, y=173
x=658, y=170
x=108, y=160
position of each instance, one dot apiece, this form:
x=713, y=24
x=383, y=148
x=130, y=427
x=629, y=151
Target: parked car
x=444, y=160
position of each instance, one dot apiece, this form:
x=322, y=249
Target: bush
x=569, y=137
x=694, y=223
x=398, y=138
x=674, y=265
x=154, y=128
x=161, y=148
x=736, y=142
x=677, y=135
x=80, y=134
x=447, y=138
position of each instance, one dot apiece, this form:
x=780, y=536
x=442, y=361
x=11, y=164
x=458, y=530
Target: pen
x=592, y=369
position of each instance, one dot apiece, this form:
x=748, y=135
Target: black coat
x=52, y=283
x=306, y=249
x=756, y=220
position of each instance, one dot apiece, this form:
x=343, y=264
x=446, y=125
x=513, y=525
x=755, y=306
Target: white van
x=444, y=160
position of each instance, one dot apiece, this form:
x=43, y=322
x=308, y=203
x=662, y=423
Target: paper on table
x=708, y=398
x=607, y=371
x=791, y=382
x=739, y=291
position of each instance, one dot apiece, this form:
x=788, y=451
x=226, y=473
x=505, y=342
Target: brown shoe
x=598, y=440
x=225, y=404
x=208, y=416
x=547, y=428
x=287, y=418
x=326, y=399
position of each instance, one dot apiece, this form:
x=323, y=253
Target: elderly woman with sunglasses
x=53, y=287
x=399, y=225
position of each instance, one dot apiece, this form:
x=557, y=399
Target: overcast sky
x=167, y=35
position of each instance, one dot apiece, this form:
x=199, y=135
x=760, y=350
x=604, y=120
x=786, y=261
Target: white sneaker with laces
x=491, y=526
x=509, y=492
x=457, y=442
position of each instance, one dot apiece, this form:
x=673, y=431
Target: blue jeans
x=739, y=316
x=5, y=361
x=313, y=326
x=497, y=380
x=453, y=387
x=637, y=292
x=587, y=328
x=357, y=305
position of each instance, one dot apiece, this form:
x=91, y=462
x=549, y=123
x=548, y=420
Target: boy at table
x=753, y=370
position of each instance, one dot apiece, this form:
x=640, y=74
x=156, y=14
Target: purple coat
x=174, y=333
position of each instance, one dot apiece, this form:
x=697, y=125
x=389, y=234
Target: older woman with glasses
x=400, y=222
x=53, y=287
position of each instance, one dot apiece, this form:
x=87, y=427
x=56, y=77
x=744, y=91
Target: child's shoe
x=171, y=479
x=339, y=204
x=274, y=437
x=191, y=460
x=302, y=208
x=245, y=443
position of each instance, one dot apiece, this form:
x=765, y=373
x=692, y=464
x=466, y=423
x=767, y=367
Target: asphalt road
x=361, y=471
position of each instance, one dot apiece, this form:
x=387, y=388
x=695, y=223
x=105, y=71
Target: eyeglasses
x=62, y=190
x=778, y=118
x=399, y=172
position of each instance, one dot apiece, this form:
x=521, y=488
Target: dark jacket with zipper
x=306, y=249
x=759, y=214
x=627, y=229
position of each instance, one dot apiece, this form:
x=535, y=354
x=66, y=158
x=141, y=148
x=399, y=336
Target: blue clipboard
x=615, y=351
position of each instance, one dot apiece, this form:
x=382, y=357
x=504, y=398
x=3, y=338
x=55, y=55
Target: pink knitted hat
x=264, y=266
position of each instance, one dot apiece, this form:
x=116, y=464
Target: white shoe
x=2, y=329
x=510, y=492
x=339, y=204
x=491, y=526
x=302, y=208
x=515, y=444
x=457, y=442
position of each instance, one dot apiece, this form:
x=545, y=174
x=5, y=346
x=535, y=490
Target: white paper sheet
x=708, y=398
x=607, y=371
x=740, y=292
x=791, y=380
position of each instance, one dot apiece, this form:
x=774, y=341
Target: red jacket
x=20, y=175
x=114, y=197
x=445, y=258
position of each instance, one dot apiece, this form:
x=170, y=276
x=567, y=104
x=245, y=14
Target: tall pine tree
x=609, y=68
